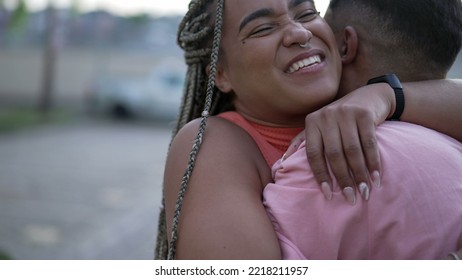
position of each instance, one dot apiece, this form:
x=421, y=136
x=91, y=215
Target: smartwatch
x=395, y=84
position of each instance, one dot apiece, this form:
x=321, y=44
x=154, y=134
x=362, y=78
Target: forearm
x=435, y=104
x=353, y=119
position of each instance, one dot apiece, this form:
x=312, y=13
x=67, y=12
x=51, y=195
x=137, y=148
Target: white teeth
x=304, y=63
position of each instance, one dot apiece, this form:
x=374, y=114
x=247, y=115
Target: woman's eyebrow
x=257, y=14
x=265, y=12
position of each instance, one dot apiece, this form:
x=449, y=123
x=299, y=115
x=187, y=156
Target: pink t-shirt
x=416, y=214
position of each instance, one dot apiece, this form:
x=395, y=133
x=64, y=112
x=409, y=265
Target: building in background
x=88, y=46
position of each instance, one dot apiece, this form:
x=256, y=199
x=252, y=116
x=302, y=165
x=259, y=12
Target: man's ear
x=349, y=45
x=222, y=81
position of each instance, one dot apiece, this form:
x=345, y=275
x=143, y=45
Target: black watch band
x=395, y=84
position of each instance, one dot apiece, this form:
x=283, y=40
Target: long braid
x=194, y=36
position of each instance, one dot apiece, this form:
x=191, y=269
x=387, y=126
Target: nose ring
x=303, y=46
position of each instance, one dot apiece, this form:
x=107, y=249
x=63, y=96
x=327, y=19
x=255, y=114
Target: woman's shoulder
x=224, y=192
x=218, y=132
x=224, y=145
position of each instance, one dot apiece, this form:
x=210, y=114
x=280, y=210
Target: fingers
x=339, y=166
x=349, y=147
x=459, y=247
x=361, y=153
x=456, y=255
x=342, y=136
x=315, y=155
x=367, y=134
x=325, y=142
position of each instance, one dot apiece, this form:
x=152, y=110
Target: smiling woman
x=282, y=42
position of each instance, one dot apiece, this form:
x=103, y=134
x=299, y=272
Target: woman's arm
x=342, y=134
x=435, y=104
x=222, y=216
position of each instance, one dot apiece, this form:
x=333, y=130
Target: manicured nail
x=326, y=190
x=376, y=179
x=364, y=190
x=350, y=195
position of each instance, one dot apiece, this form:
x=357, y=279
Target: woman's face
x=276, y=81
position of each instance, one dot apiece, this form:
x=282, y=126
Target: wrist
x=388, y=94
x=397, y=101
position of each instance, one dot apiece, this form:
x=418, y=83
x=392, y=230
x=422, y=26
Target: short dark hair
x=422, y=33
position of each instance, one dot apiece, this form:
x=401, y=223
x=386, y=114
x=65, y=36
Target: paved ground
x=85, y=190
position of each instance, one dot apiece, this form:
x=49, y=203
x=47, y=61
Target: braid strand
x=198, y=99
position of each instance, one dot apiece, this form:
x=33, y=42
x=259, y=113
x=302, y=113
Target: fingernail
x=326, y=190
x=364, y=190
x=284, y=157
x=350, y=195
x=376, y=179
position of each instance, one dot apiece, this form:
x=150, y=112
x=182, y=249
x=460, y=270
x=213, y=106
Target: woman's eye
x=261, y=30
x=308, y=15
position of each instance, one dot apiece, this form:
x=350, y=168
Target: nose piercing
x=303, y=46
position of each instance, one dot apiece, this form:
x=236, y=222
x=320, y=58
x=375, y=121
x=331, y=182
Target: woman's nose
x=296, y=34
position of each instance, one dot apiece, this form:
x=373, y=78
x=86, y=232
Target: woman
x=231, y=169
x=231, y=179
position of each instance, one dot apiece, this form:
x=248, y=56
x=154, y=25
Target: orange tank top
x=272, y=141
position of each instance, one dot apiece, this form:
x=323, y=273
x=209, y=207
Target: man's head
x=416, y=39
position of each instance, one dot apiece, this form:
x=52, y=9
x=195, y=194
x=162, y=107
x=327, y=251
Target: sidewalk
x=86, y=190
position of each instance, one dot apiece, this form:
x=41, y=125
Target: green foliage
x=18, y=118
x=75, y=8
x=139, y=19
x=4, y=256
x=18, y=19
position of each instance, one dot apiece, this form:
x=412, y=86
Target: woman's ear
x=349, y=45
x=222, y=81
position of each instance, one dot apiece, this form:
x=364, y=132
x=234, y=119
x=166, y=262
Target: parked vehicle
x=155, y=96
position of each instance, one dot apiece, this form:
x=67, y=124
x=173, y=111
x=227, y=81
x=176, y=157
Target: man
x=417, y=213
x=373, y=44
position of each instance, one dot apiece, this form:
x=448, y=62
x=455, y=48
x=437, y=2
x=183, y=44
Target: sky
x=129, y=7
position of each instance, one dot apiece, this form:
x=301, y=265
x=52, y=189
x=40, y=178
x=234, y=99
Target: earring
x=303, y=46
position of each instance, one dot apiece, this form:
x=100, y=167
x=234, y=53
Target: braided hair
x=200, y=38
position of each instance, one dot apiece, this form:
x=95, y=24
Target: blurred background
x=88, y=93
